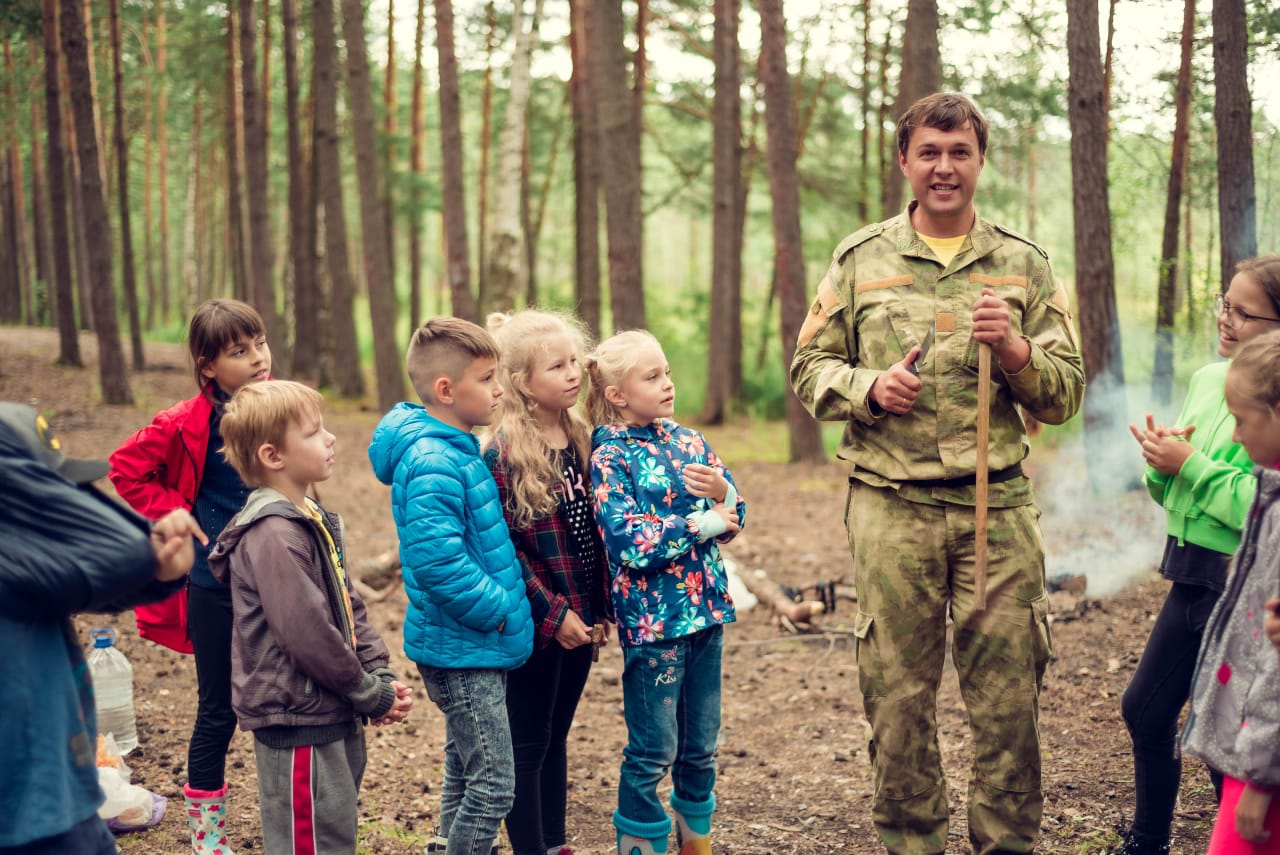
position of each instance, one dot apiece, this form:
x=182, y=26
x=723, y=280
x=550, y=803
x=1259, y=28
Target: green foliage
x=20, y=19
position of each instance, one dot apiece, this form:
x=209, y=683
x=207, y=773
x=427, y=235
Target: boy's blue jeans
x=671, y=699
x=479, y=766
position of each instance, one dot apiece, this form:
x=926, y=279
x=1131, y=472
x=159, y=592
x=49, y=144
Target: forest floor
x=793, y=772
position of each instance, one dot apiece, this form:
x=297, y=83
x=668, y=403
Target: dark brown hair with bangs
x=216, y=324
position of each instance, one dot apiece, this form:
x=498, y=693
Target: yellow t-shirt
x=944, y=248
x=337, y=563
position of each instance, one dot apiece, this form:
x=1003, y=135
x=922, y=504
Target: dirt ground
x=793, y=767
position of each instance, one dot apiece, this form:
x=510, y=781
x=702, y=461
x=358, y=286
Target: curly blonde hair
x=607, y=366
x=531, y=469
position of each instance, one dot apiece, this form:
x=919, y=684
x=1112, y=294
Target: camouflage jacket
x=883, y=290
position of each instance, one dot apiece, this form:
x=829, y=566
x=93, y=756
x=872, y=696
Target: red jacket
x=159, y=467
x=156, y=470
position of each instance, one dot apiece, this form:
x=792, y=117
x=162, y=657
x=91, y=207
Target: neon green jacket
x=1206, y=502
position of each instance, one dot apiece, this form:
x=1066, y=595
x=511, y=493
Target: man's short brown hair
x=260, y=414
x=946, y=111
x=443, y=347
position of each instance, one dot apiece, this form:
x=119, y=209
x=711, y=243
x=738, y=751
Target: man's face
x=943, y=168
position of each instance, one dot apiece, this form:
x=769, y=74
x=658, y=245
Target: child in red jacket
x=173, y=463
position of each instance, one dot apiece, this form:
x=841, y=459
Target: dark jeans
x=90, y=837
x=1151, y=704
x=209, y=625
x=542, y=696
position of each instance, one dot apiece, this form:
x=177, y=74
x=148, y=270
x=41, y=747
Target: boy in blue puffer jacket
x=468, y=622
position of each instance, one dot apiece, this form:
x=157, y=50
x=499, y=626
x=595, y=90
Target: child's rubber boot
x=693, y=825
x=641, y=838
x=207, y=819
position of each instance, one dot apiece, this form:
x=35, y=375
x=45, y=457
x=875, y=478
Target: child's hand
x=730, y=516
x=572, y=632
x=1251, y=813
x=1165, y=449
x=171, y=542
x=705, y=481
x=400, y=709
x=1272, y=623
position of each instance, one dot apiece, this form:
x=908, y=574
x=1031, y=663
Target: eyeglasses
x=1237, y=317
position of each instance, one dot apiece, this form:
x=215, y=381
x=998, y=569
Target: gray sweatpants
x=307, y=795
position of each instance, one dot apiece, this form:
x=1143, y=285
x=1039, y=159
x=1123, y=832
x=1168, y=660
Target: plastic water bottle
x=113, y=690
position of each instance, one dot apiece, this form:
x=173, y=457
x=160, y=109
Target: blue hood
x=402, y=428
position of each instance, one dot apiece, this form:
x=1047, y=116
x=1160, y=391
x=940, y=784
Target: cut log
x=771, y=594
x=382, y=571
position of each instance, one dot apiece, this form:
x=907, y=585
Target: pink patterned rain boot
x=207, y=819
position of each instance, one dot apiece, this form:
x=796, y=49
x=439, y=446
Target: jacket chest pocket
x=882, y=321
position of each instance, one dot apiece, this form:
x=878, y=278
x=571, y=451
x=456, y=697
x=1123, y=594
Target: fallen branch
x=771, y=594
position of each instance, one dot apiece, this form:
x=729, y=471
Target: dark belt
x=997, y=477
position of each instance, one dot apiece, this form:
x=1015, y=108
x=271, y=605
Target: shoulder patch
x=861, y=236
x=1016, y=236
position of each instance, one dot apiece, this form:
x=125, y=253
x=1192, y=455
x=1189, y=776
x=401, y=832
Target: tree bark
x=162, y=152
x=148, y=194
x=805, y=434
x=39, y=189
x=508, y=275
x=1167, y=289
x=128, y=274
x=454, y=199
x=327, y=172
x=22, y=244
x=1233, y=118
x=112, y=371
x=921, y=76
x=190, y=251
x=486, y=151
x=416, y=166
x=621, y=138
x=301, y=208
x=388, y=143
x=586, y=166
x=388, y=368
x=1106, y=404
x=726, y=159
x=84, y=297
x=261, y=278
x=241, y=264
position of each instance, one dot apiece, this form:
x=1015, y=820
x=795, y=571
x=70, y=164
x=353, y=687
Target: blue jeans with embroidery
x=671, y=699
x=479, y=766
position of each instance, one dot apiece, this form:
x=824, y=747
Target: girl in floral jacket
x=663, y=502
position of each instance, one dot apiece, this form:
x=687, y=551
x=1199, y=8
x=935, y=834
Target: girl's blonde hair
x=607, y=365
x=1255, y=370
x=531, y=472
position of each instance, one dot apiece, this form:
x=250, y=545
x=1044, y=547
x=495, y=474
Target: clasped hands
x=1164, y=448
x=708, y=482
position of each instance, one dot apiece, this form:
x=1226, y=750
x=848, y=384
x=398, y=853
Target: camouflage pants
x=913, y=562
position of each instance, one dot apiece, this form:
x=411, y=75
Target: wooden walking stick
x=980, y=478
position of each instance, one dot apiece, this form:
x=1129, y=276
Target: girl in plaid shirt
x=538, y=454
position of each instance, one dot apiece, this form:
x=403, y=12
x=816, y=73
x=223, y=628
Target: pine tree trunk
x=261, y=278
x=327, y=172
x=416, y=166
x=868, y=112
x=148, y=163
x=486, y=152
x=454, y=201
x=621, y=138
x=39, y=189
x=128, y=275
x=726, y=158
x=84, y=297
x=112, y=371
x=389, y=166
x=586, y=166
x=508, y=274
x=162, y=154
x=1167, y=289
x=190, y=253
x=788, y=253
x=1233, y=118
x=21, y=245
x=388, y=367
x=921, y=76
x=56, y=159
x=301, y=210
x=240, y=263
x=1105, y=406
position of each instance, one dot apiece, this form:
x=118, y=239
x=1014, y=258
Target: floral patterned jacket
x=666, y=582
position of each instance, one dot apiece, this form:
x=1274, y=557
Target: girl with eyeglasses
x=1204, y=481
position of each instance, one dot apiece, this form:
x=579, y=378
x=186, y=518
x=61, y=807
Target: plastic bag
x=128, y=807
x=109, y=756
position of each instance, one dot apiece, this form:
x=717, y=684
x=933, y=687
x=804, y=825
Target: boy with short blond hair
x=468, y=621
x=308, y=668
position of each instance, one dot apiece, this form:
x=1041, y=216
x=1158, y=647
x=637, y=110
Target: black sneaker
x=441, y=844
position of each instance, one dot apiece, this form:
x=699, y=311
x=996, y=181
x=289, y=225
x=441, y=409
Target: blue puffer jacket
x=467, y=603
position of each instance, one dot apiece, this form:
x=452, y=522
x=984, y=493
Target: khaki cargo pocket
x=1041, y=637
x=862, y=622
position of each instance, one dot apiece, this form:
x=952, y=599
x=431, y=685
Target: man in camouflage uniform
x=911, y=442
